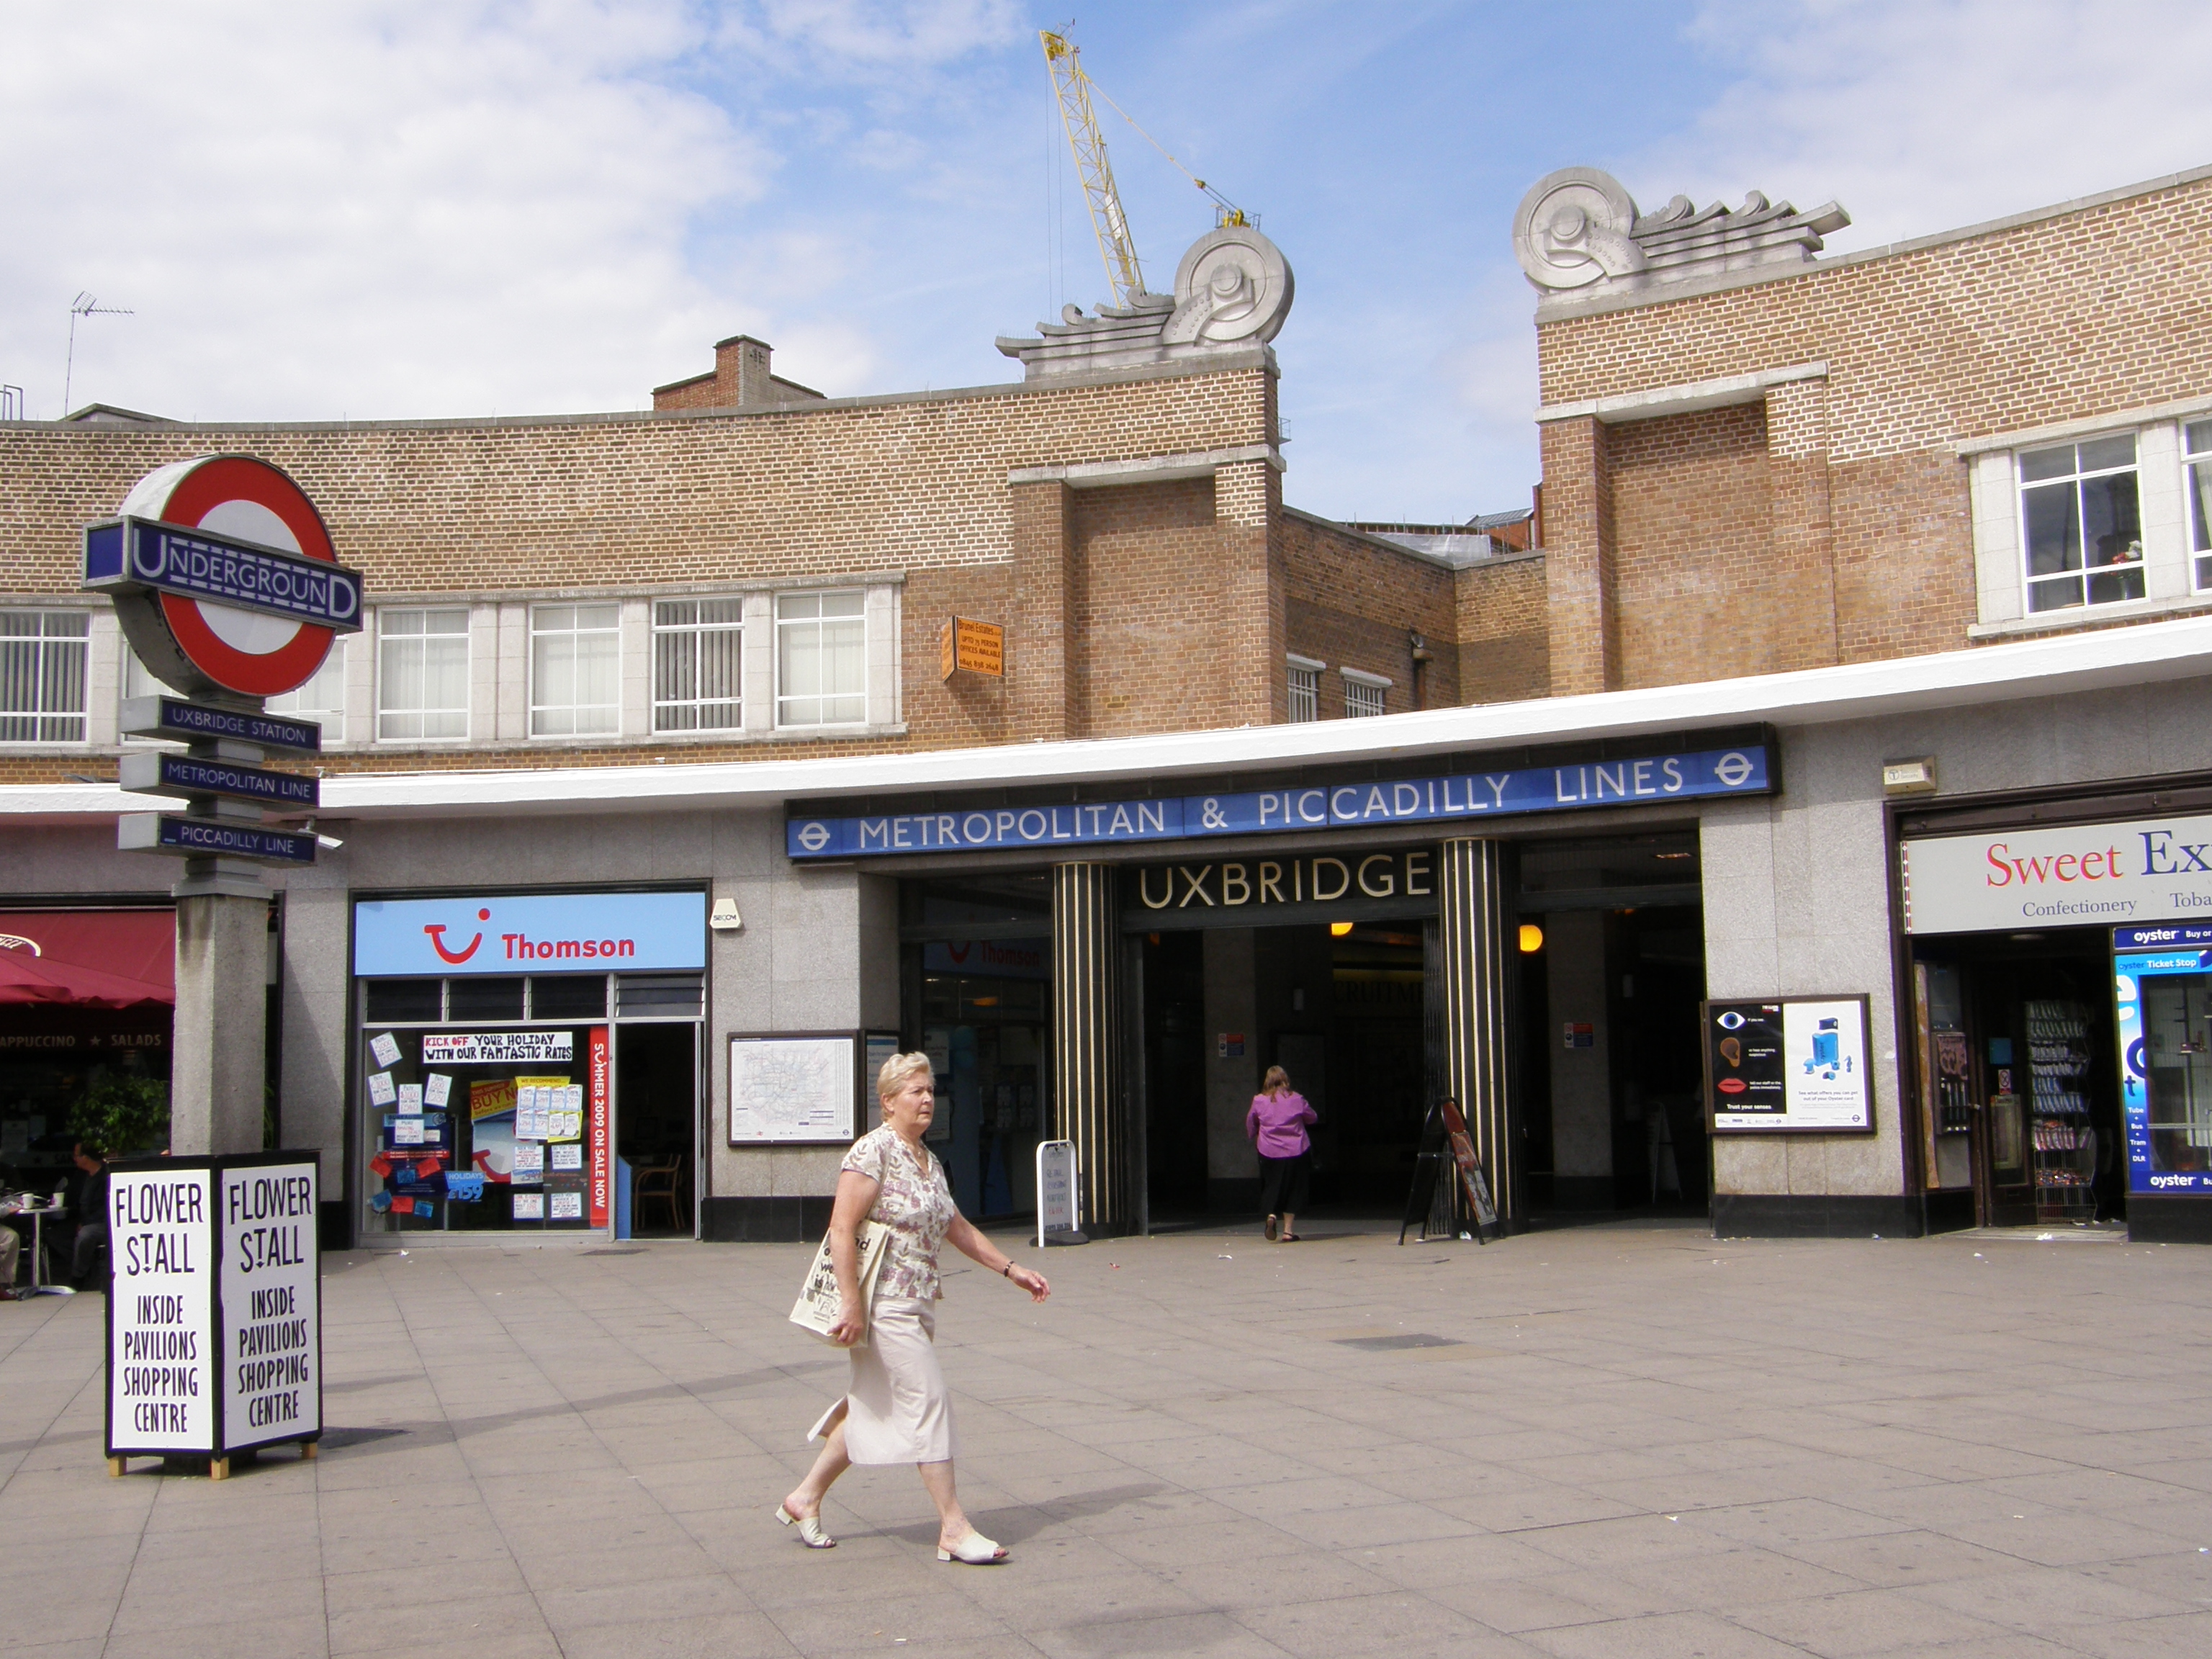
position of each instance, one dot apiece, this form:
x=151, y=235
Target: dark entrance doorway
x=2020, y=1075
x=656, y=1096
x=1339, y=1006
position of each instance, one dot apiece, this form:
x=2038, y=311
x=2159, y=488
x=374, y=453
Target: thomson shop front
x=2062, y=982
x=528, y=1061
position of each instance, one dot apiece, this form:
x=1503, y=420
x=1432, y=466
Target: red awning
x=89, y=958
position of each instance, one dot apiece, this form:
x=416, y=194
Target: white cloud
x=368, y=208
x=1921, y=116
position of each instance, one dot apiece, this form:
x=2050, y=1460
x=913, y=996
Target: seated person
x=85, y=1258
x=11, y=1246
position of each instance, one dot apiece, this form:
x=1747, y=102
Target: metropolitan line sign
x=1466, y=798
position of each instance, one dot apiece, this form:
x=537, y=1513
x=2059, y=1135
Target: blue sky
x=396, y=208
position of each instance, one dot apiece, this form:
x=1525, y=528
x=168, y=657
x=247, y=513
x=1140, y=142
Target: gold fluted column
x=1088, y=1108
x=1472, y=915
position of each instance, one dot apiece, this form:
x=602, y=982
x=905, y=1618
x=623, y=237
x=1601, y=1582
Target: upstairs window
x=42, y=660
x=2080, y=524
x=423, y=674
x=1362, y=693
x=2197, y=441
x=1305, y=689
x=575, y=671
x=698, y=653
x=323, y=697
x=821, y=658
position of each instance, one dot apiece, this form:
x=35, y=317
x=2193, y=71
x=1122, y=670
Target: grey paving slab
x=1644, y=1442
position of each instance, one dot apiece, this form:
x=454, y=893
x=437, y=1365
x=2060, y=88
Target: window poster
x=1794, y=1063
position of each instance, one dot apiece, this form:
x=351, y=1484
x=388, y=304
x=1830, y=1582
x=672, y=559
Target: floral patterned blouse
x=914, y=1203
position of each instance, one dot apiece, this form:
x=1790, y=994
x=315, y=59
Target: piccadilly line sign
x=1458, y=798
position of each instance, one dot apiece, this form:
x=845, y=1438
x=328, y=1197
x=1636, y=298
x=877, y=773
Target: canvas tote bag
x=816, y=1310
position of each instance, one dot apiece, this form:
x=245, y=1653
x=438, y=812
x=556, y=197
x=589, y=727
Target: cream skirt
x=898, y=1411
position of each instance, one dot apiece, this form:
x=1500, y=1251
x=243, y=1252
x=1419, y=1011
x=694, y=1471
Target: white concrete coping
x=1149, y=469
x=2120, y=420
x=1361, y=677
x=1682, y=399
x=1311, y=665
x=2151, y=653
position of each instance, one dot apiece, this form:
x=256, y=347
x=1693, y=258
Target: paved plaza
x=1620, y=1440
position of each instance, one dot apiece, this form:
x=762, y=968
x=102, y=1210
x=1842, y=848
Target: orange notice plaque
x=975, y=648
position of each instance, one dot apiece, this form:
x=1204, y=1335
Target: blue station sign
x=158, y=832
x=1460, y=797
x=134, y=554
x=190, y=775
x=172, y=717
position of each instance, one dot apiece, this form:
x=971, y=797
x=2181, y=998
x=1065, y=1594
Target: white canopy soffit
x=2145, y=654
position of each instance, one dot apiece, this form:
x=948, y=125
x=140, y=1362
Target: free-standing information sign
x=1795, y=1063
x=213, y=1307
x=1055, y=1190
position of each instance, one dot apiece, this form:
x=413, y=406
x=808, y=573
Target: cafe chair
x=661, y=1182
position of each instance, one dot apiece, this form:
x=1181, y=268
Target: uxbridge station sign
x=1464, y=799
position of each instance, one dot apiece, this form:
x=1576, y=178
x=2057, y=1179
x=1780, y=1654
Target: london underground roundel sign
x=224, y=577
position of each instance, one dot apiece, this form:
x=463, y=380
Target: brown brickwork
x=1830, y=521
x=1504, y=634
x=1354, y=602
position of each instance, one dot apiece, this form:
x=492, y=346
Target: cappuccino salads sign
x=2085, y=875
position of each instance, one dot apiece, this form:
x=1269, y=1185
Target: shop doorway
x=1339, y=1006
x=2020, y=1070
x=656, y=1125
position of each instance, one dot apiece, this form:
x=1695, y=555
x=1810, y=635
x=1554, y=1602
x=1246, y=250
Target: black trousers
x=1283, y=1182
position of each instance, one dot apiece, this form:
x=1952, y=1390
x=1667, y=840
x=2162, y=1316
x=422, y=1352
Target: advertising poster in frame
x=1786, y=1065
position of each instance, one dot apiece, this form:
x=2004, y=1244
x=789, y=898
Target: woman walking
x=1276, y=1126
x=897, y=1410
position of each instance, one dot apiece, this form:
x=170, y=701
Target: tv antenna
x=83, y=306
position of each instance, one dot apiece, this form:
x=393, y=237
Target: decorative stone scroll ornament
x=1233, y=289
x=1578, y=228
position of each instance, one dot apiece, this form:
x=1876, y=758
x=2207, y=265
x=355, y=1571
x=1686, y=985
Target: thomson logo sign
x=506, y=933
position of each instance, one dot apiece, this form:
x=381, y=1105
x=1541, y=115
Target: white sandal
x=975, y=1550
x=810, y=1529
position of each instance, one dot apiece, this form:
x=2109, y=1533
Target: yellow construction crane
x=1063, y=60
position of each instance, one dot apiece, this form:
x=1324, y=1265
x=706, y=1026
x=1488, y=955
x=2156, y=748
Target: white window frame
x=2087, y=468
x=2196, y=494
x=422, y=713
x=1366, y=694
x=572, y=718
x=2000, y=580
x=48, y=724
x=329, y=710
x=1302, y=687
x=791, y=707
x=726, y=632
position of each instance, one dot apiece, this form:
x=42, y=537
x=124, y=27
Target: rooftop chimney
x=741, y=379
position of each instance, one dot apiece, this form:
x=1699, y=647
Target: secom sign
x=530, y=933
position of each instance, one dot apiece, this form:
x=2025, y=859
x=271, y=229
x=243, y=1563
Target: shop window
x=323, y=697
x=489, y=998
x=423, y=674
x=2081, y=524
x=1362, y=693
x=581, y=996
x=698, y=653
x=405, y=1001
x=1305, y=689
x=42, y=656
x=659, y=996
x=821, y=658
x=575, y=669
x=2198, y=436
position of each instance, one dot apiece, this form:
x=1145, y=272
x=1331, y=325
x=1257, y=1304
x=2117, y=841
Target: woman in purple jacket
x=1276, y=1126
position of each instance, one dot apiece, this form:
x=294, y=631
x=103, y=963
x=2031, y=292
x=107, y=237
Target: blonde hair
x=1275, y=1074
x=896, y=1072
